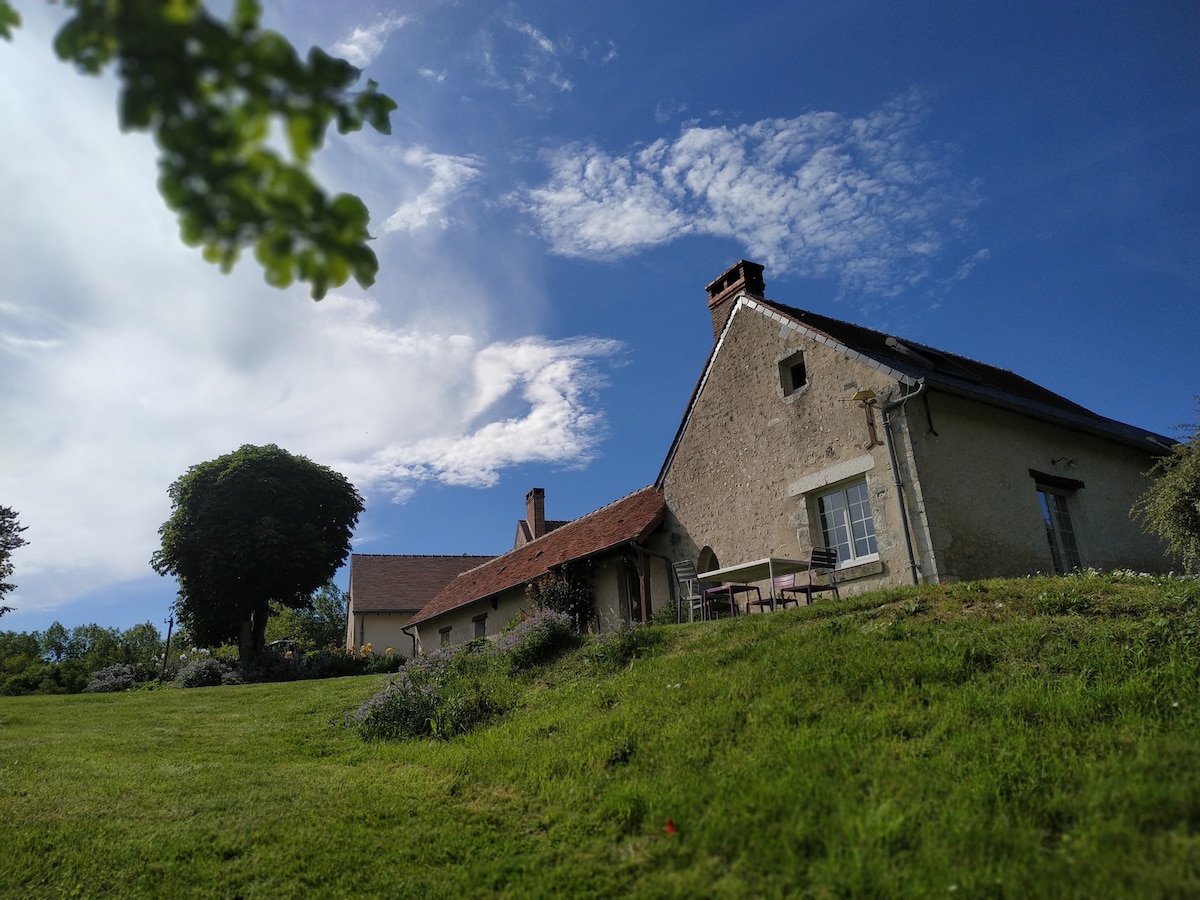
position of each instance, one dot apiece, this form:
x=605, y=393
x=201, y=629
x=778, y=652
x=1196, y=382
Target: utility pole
x=167, y=647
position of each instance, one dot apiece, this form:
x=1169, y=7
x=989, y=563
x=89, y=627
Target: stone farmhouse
x=805, y=431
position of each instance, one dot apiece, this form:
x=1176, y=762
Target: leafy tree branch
x=211, y=92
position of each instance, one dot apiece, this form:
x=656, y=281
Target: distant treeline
x=60, y=660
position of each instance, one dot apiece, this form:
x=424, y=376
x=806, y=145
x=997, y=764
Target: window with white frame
x=846, y=523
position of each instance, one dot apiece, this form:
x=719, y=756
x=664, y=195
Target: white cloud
x=449, y=177
x=860, y=199
x=364, y=43
x=558, y=422
x=125, y=358
x=523, y=67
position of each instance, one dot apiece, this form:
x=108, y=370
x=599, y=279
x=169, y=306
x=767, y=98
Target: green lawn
x=1034, y=738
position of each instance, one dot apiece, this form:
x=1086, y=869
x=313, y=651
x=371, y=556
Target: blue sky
x=1016, y=182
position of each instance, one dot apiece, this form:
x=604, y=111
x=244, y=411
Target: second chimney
x=743, y=275
x=535, y=512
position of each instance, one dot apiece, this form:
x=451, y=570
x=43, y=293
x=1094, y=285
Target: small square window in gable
x=793, y=374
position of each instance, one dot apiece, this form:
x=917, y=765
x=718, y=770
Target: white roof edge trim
x=820, y=339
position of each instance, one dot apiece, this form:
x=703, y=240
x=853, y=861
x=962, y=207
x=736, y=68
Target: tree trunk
x=260, y=627
x=246, y=642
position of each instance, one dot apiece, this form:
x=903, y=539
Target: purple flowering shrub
x=110, y=679
x=449, y=692
x=203, y=671
x=439, y=694
x=536, y=638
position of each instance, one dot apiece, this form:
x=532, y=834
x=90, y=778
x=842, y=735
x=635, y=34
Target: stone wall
x=753, y=456
x=745, y=469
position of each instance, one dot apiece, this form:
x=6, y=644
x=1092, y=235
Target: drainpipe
x=413, y=637
x=886, y=409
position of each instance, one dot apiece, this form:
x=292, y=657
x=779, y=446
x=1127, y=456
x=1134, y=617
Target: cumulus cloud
x=449, y=176
x=857, y=198
x=365, y=42
x=125, y=358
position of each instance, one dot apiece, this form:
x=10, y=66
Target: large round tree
x=249, y=527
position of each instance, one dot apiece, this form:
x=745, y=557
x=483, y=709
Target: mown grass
x=1028, y=738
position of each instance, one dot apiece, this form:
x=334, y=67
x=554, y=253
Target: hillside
x=1004, y=739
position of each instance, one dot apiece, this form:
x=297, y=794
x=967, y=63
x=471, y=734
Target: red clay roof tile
x=631, y=518
x=386, y=582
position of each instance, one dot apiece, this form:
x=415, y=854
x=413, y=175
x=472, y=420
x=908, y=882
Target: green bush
x=568, y=592
x=615, y=648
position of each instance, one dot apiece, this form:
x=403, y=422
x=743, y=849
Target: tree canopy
x=1171, y=507
x=10, y=540
x=248, y=529
x=210, y=91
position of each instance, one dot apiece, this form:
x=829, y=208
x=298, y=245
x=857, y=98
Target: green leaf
x=9, y=19
x=211, y=92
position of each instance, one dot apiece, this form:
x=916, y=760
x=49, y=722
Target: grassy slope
x=1031, y=738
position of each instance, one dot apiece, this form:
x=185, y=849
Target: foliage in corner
x=1171, y=507
x=210, y=91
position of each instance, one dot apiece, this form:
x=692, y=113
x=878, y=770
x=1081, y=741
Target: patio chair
x=822, y=564
x=691, y=591
x=726, y=594
x=699, y=595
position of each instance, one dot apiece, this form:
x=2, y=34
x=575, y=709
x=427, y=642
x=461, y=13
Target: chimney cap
x=742, y=275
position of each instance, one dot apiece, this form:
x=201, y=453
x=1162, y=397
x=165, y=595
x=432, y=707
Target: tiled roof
x=384, y=582
x=912, y=362
x=631, y=518
x=525, y=533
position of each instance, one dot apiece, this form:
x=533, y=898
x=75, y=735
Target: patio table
x=764, y=569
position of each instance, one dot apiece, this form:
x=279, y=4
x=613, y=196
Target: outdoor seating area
x=788, y=580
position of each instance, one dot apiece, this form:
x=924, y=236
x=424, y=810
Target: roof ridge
x=586, y=515
x=427, y=555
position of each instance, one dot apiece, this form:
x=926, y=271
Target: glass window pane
x=846, y=523
x=833, y=523
x=1060, y=533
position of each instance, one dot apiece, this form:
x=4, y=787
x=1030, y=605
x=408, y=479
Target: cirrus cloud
x=861, y=199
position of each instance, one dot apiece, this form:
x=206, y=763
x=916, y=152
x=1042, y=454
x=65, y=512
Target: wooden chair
x=822, y=564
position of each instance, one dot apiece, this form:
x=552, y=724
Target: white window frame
x=859, y=533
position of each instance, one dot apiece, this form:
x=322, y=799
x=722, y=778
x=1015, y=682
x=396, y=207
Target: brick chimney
x=723, y=291
x=535, y=512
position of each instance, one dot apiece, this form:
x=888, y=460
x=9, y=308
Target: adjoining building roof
x=632, y=518
x=396, y=583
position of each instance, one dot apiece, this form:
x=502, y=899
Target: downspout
x=413, y=637
x=886, y=409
